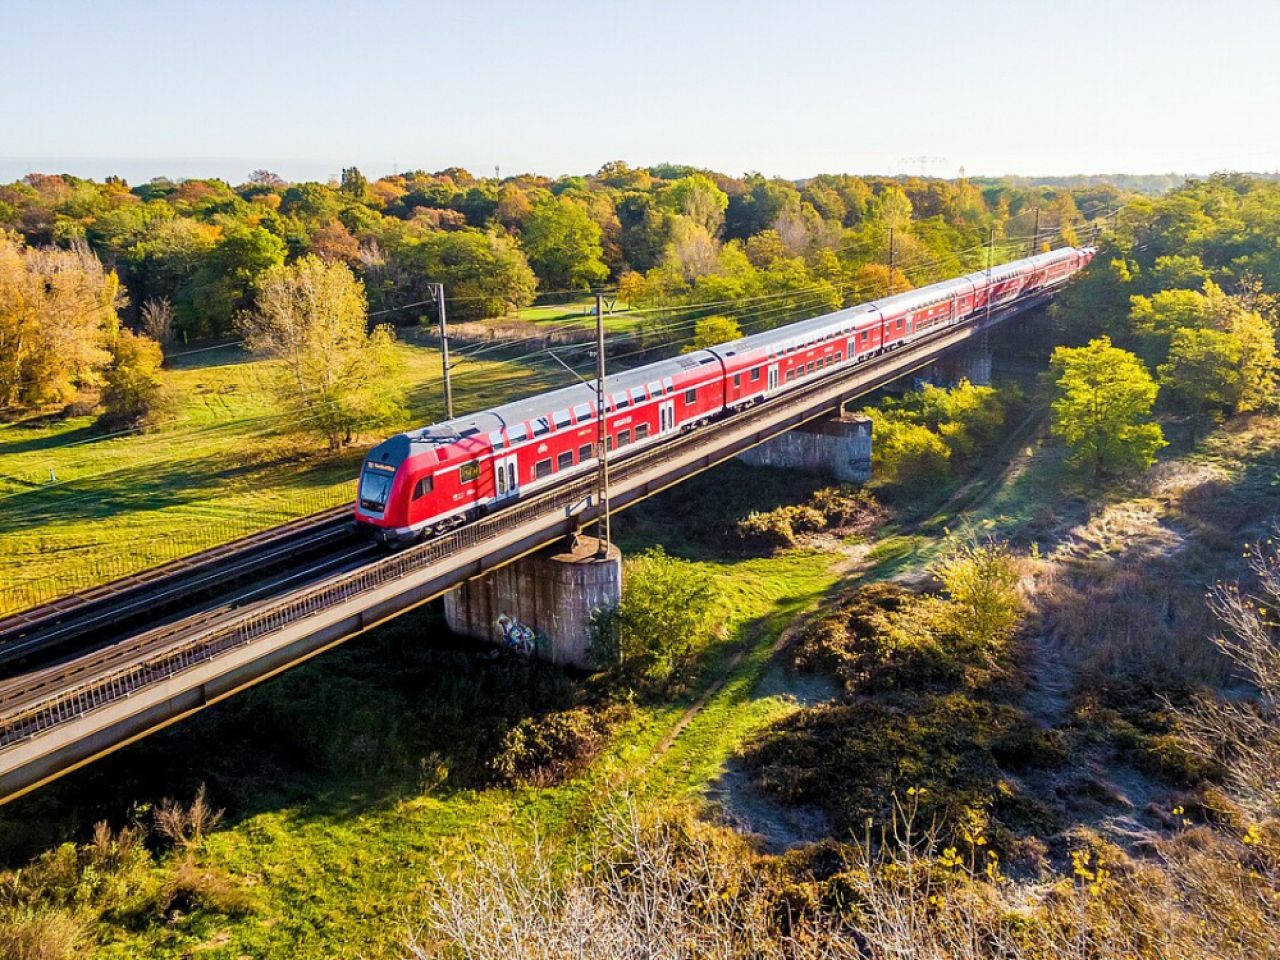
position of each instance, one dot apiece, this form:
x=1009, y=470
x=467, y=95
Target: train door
x=666, y=416
x=773, y=377
x=506, y=478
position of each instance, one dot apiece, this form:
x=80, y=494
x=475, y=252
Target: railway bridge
x=122, y=670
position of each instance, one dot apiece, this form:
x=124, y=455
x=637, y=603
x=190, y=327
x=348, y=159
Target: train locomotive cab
x=422, y=482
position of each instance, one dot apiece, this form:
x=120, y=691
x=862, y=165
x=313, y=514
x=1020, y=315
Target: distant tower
x=962, y=171
x=497, y=172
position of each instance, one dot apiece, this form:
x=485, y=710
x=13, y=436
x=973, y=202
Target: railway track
x=199, y=584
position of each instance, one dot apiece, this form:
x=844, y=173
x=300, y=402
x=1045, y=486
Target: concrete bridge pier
x=542, y=604
x=838, y=447
x=971, y=362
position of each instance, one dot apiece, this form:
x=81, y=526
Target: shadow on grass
x=695, y=520
x=388, y=715
x=12, y=442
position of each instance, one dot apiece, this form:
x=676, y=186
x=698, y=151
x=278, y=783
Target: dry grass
x=677, y=888
x=658, y=890
x=187, y=824
x=30, y=933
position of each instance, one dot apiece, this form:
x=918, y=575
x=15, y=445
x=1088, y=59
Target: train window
x=542, y=469
x=668, y=385
x=655, y=389
x=540, y=426
x=562, y=419
x=755, y=374
x=812, y=366
x=624, y=438
x=737, y=380
x=608, y=442
x=471, y=431
x=790, y=374
x=620, y=401
x=585, y=452
x=469, y=472
x=582, y=411
x=422, y=488
x=565, y=460
x=496, y=440
x=517, y=433
x=642, y=431
x=839, y=356
x=691, y=396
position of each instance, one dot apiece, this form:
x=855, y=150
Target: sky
x=789, y=88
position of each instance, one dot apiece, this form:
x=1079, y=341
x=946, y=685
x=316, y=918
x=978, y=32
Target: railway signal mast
x=438, y=290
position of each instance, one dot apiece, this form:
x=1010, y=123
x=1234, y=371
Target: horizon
x=138, y=170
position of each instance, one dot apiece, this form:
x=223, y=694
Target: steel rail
x=145, y=583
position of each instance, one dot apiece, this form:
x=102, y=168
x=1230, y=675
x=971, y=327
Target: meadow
x=79, y=506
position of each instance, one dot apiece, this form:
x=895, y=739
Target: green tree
x=563, y=244
x=893, y=208
x=133, y=386
x=485, y=273
x=713, y=330
x=1174, y=272
x=1169, y=310
x=1103, y=407
x=698, y=198
x=334, y=377
x=1257, y=341
x=1202, y=376
x=354, y=183
x=223, y=284
x=667, y=614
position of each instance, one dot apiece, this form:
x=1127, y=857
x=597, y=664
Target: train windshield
x=375, y=485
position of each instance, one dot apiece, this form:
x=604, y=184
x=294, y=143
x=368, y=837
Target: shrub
x=766, y=531
x=666, y=615
x=846, y=508
x=549, y=749
x=850, y=759
x=984, y=607
x=832, y=507
x=805, y=519
x=907, y=454
x=133, y=390
x=187, y=825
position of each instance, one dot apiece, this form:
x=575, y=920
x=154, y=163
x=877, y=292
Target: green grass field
x=579, y=313
x=78, y=507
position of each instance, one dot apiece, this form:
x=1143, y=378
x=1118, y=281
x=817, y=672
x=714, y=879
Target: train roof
x=545, y=404
x=849, y=317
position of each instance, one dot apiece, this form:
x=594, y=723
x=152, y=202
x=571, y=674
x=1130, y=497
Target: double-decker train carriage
x=426, y=481
x=430, y=480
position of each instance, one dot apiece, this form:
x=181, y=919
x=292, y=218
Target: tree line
x=141, y=266
x=202, y=245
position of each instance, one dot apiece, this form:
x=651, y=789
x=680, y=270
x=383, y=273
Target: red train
x=426, y=481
